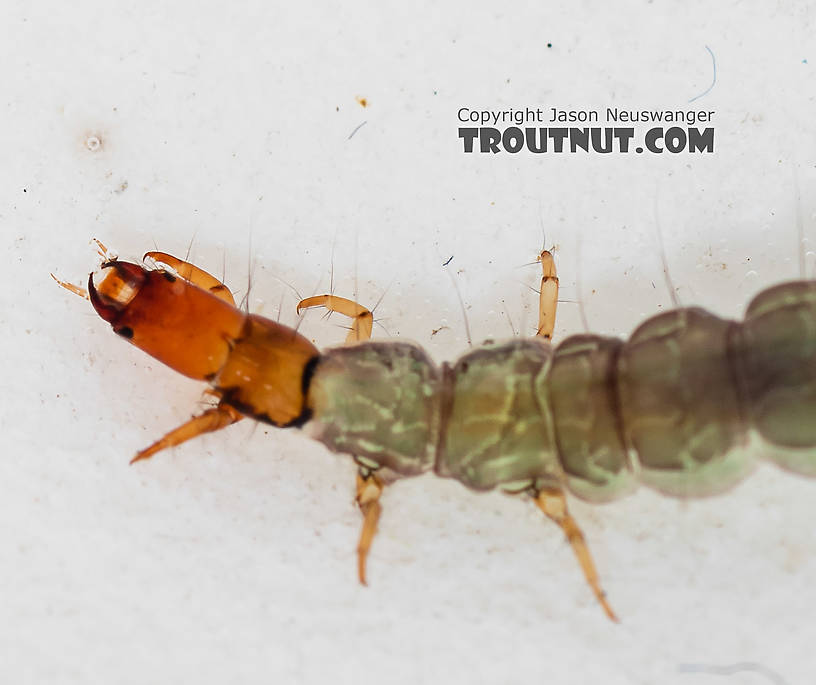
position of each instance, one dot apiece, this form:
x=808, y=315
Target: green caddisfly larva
x=685, y=406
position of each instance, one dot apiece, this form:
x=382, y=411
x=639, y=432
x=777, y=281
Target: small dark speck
x=549, y=45
x=450, y=259
x=24, y=190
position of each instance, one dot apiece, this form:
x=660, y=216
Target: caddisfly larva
x=673, y=407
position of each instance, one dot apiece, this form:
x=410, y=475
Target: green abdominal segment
x=379, y=402
x=498, y=425
x=583, y=395
x=776, y=348
x=679, y=405
x=684, y=406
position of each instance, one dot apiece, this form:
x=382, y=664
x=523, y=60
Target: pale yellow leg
x=189, y=272
x=70, y=287
x=554, y=504
x=193, y=274
x=369, y=489
x=369, y=486
x=211, y=420
x=362, y=320
x=102, y=251
x=548, y=299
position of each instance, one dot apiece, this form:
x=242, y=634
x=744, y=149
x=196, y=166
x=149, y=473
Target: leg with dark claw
x=193, y=274
x=362, y=321
x=369, y=489
x=211, y=420
x=554, y=504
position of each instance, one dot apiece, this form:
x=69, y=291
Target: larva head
x=171, y=319
x=119, y=286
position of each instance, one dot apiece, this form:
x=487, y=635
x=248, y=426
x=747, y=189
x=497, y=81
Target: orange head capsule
x=174, y=321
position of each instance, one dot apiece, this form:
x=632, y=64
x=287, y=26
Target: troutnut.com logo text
x=517, y=130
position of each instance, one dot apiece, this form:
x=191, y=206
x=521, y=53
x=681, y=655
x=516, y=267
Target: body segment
x=379, y=402
x=497, y=426
x=776, y=352
x=596, y=459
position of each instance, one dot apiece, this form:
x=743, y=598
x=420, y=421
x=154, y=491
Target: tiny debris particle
x=93, y=143
x=363, y=102
x=549, y=45
x=357, y=129
x=713, y=79
x=450, y=259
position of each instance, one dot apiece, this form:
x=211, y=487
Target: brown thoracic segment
x=263, y=376
x=671, y=407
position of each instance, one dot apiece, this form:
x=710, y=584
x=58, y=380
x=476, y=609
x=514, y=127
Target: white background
x=231, y=559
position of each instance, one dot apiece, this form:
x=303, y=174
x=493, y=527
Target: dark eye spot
x=124, y=331
x=169, y=277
